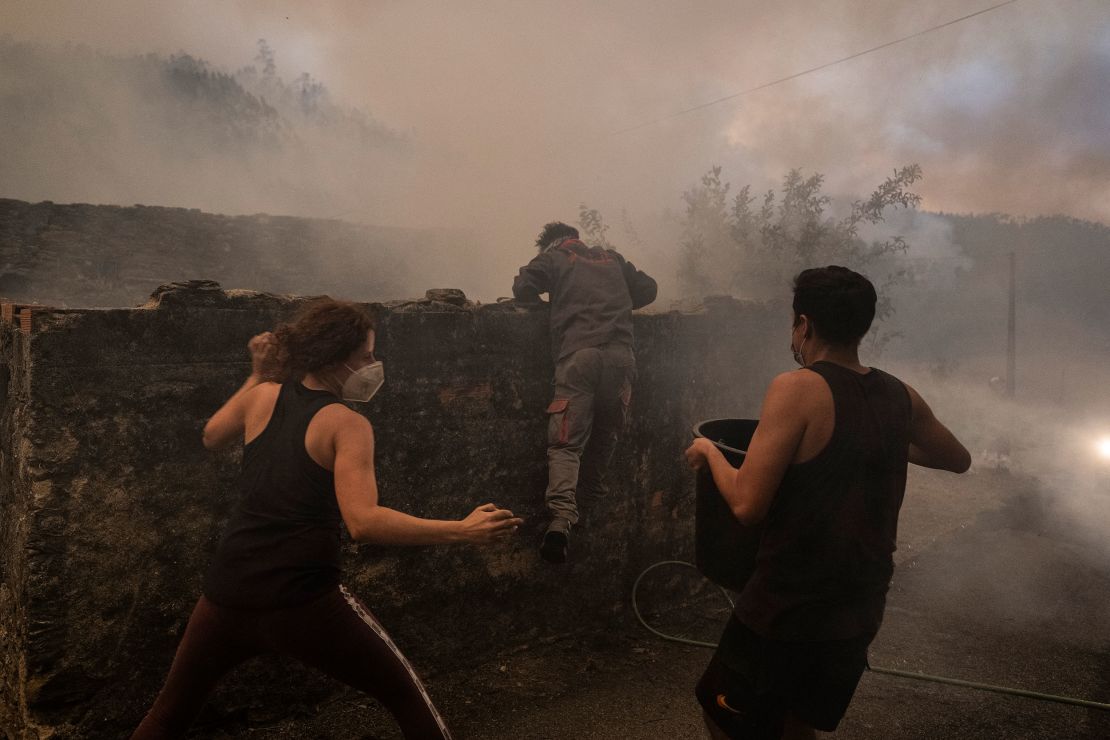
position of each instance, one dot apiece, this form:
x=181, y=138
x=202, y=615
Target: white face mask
x=798, y=353
x=798, y=358
x=363, y=383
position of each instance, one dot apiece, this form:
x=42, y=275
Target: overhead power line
x=818, y=68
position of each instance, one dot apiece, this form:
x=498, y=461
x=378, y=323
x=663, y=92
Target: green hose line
x=995, y=689
x=636, y=607
x=887, y=671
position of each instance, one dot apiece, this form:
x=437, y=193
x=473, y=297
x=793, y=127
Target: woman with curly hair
x=274, y=585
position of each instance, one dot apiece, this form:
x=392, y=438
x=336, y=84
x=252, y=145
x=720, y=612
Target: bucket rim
x=719, y=444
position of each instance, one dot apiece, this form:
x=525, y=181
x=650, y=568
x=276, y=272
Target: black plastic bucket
x=724, y=549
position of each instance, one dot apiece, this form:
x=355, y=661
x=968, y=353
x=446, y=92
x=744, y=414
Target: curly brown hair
x=323, y=333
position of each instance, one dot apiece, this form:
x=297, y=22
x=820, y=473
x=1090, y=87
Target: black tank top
x=826, y=556
x=281, y=547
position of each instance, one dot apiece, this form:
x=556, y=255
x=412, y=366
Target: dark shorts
x=753, y=683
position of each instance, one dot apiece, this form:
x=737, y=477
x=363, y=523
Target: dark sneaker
x=554, y=547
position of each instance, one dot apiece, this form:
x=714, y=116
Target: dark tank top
x=281, y=547
x=826, y=556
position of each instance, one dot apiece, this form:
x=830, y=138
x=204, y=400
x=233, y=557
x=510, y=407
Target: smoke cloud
x=498, y=116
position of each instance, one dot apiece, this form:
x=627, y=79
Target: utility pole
x=1011, y=334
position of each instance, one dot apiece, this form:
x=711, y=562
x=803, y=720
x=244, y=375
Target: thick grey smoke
x=505, y=111
x=84, y=125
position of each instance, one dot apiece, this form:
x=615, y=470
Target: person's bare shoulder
x=797, y=382
x=797, y=391
x=917, y=402
x=337, y=428
x=338, y=418
x=341, y=413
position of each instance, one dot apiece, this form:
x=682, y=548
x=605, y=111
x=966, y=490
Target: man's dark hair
x=839, y=302
x=555, y=230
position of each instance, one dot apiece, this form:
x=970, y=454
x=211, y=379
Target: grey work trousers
x=593, y=388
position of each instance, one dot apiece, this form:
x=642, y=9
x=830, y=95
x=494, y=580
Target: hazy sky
x=512, y=105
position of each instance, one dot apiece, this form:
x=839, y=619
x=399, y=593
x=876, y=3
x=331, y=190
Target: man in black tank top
x=825, y=473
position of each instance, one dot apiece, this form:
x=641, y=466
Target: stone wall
x=111, y=507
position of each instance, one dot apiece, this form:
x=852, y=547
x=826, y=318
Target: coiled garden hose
x=887, y=671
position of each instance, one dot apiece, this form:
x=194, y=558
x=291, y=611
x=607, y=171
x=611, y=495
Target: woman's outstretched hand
x=488, y=523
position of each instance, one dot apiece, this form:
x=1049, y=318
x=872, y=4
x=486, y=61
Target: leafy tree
x=306, y=102
x=750, y=251
x=592, y=226
x=753, y=251
x=707, y=236
x=265, y=58
x=751, y=247
x=209, y=108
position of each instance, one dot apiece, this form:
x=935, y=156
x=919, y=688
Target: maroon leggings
x=335, y=633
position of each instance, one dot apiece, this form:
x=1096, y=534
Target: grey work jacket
x=593, y=292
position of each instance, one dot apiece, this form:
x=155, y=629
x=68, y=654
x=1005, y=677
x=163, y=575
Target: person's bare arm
x=228, y=423
x=749, y=490
x=356, y=490
x=932, y=445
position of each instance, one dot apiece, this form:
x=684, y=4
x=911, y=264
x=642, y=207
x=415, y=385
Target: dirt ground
x=996, y=583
